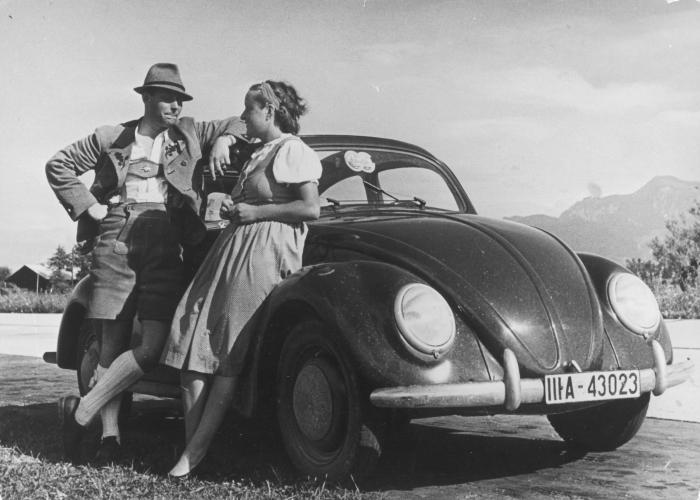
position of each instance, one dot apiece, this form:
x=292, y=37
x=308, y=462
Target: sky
x=534, y=104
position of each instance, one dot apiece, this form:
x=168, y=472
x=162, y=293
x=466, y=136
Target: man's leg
x=114, y=340
x=125, y=370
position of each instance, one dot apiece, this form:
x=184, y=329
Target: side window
x=350, y=189
x=407, y=182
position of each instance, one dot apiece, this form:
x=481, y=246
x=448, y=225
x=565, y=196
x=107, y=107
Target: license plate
x=591, y=386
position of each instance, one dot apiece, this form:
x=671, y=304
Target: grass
x=241, y=465
x=245, y=462
x=23, y=301
x=28, y=477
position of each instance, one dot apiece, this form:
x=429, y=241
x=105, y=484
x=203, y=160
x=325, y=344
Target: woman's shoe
x=179, y=479
x=183, y=478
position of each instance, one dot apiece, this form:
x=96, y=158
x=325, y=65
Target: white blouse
x=295, y=162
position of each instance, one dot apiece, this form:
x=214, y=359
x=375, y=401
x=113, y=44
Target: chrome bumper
x=513, y=391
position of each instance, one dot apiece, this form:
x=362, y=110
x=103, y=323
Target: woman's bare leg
x=216, y=406
x=194, y=387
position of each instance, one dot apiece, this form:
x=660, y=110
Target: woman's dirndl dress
x=211, y=328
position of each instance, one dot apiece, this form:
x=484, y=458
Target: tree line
x=675, y=257
x=67, y=268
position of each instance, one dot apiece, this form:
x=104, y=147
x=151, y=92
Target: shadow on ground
x=422, y=455
x=470, y=451
x=152, y=441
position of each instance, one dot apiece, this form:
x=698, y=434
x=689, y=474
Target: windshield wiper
x=418, y=201
x=377, y=189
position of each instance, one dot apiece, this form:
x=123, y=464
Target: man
x=143, y=206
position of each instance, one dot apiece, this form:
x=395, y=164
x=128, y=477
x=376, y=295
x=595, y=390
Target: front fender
x=71, y=321
x=626, y=349
x=356, y=301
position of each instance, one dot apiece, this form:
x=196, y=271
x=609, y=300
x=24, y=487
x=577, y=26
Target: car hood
x=517, y=286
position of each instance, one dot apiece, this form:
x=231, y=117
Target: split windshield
x=382, y=178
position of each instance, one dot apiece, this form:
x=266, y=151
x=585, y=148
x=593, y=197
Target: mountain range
x=620, y=226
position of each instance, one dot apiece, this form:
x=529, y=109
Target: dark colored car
x=410, y=304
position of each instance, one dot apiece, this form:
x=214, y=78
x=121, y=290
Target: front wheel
x=321, y=409
x=88, y=355
x=602, y=428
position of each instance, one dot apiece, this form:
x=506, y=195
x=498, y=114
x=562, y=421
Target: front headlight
x=425, y=319
x=634, y=303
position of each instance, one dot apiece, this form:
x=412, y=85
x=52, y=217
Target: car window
x=348, y=189
x=379, y=178
x=428, y=185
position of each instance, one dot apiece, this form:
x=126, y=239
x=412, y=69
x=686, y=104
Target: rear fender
x=625, y=349
x=71, y=321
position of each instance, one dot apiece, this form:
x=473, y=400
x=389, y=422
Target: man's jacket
x=107, y=152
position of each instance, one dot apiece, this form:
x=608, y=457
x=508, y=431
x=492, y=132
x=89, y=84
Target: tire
x=602, y=428
x=87, y=357
x=321, y=410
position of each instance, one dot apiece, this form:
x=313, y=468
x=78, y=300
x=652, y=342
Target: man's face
x=162, y=106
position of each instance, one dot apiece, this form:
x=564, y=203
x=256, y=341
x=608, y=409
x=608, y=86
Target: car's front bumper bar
x=513, y=391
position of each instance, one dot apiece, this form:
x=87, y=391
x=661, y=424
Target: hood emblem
x=574, y=365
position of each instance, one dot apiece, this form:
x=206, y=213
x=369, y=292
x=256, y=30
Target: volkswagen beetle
x=410, y=304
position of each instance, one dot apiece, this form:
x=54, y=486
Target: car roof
x=360, y=141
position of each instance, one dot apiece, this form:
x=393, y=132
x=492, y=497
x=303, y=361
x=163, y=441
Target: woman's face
x=257, y=118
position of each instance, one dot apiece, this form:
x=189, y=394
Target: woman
x=276, y=193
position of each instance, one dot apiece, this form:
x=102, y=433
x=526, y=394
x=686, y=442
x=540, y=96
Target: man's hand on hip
x=97, y=211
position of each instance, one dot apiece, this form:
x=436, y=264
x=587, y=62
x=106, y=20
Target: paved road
x=522, y=457
x=28, y=334
x=682, y=402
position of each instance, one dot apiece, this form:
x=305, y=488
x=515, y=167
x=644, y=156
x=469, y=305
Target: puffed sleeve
x=296, y=163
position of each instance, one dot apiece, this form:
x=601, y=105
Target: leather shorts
x=137, y=264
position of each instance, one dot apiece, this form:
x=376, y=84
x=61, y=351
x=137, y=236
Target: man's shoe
x=109, y=451
x=72, y=431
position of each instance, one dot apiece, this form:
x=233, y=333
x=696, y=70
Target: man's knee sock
x=120, y=375
x=109, y=414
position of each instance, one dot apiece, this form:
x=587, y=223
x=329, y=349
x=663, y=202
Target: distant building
x=34, y=277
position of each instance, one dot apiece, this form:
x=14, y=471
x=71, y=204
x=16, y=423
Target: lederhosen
x=137, y=261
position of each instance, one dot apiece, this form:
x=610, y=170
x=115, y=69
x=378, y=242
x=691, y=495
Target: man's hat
x=164, y=76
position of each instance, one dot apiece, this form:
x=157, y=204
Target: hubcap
x=89, y=363
x=313, y=401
